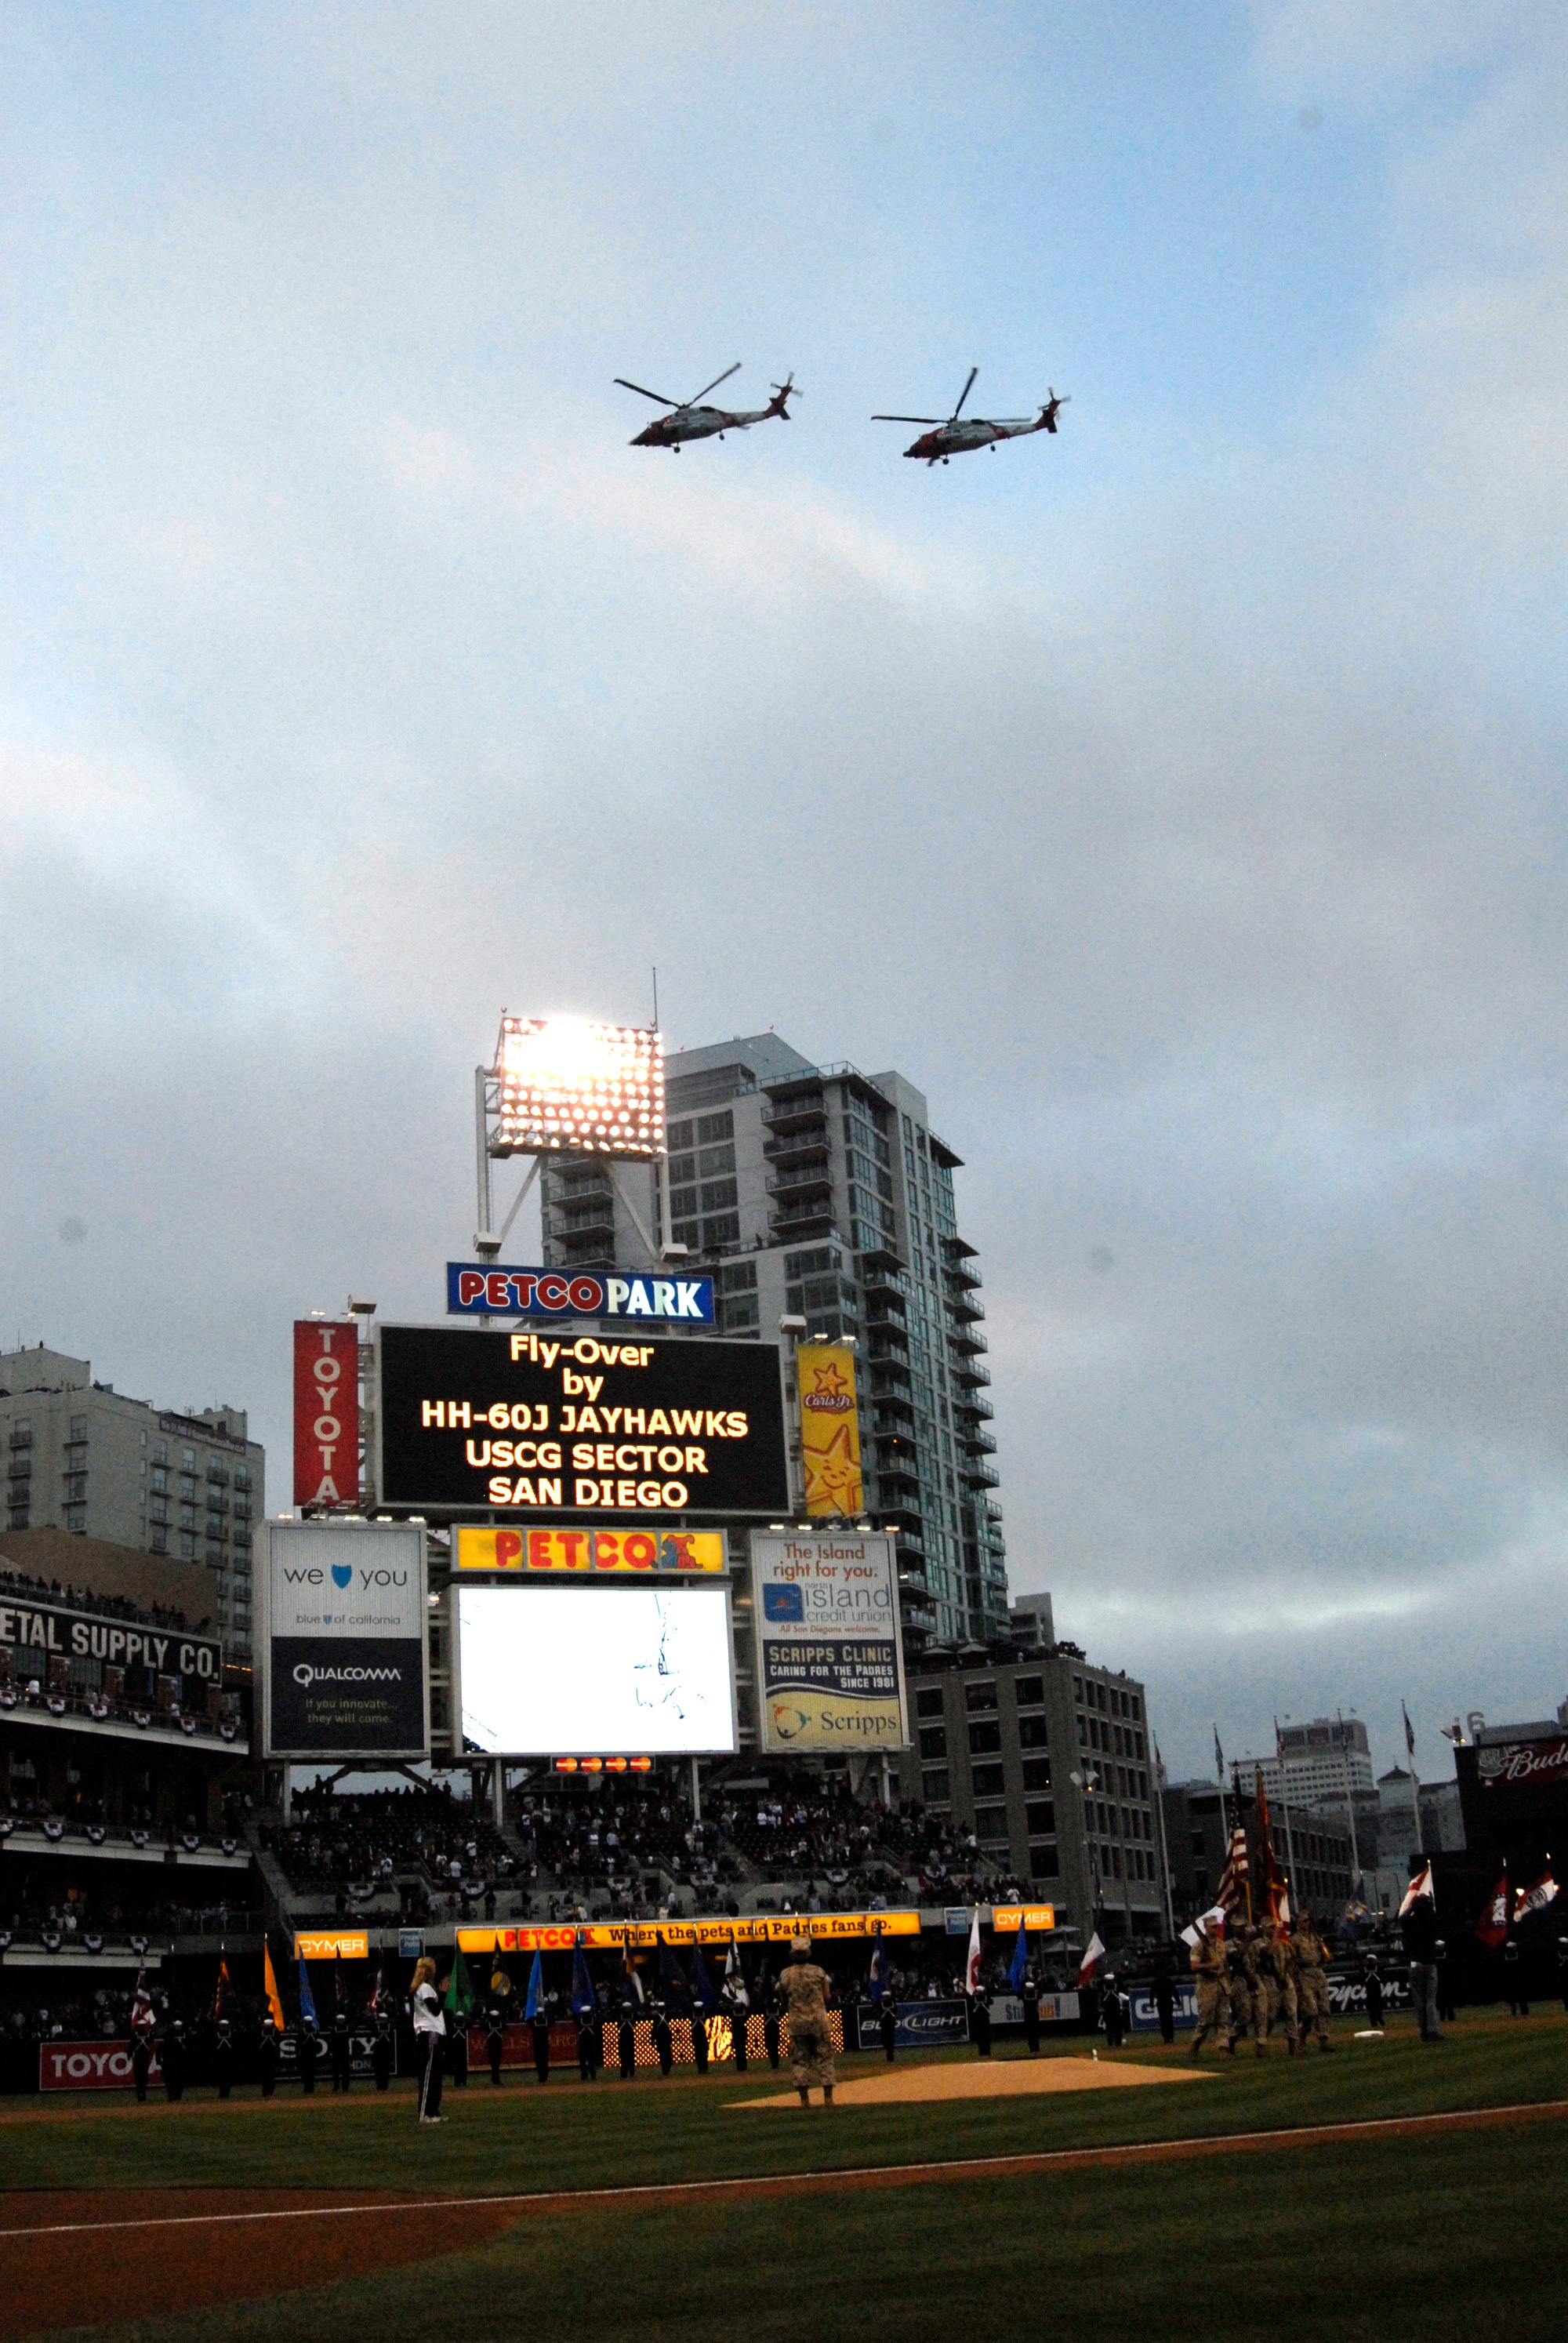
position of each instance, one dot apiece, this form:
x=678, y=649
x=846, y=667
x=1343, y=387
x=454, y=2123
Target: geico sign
x=89, y=2067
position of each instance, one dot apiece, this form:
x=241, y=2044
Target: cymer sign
x=477, y=1291
x=540, y=1424
x=343, y=1636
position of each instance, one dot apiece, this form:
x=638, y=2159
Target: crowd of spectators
x=103, y=1606
x=435, y=1856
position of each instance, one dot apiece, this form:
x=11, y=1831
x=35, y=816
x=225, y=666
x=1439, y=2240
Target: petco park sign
x=474, y=1290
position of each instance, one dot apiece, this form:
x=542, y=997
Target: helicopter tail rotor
x=782, y=393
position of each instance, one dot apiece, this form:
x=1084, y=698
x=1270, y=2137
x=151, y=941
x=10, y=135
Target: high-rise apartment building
x=81, y=1456
x=1318, y=1764
x=817, y=1192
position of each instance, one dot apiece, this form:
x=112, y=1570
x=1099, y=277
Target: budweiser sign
x=1514, y=1762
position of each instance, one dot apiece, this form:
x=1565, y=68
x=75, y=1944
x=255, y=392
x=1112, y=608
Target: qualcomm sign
x=474, y=1290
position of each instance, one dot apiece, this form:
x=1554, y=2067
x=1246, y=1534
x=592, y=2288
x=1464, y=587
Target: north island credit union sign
x=548, y=1420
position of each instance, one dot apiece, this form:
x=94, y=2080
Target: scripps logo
x=307, y=1674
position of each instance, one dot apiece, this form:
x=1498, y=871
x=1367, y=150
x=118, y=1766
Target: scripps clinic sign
x=343, y=1640
x=830, y=1672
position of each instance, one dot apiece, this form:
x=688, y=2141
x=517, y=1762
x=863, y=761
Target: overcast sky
x=1178, y=800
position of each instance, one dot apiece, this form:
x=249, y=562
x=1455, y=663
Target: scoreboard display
x=534, y=1424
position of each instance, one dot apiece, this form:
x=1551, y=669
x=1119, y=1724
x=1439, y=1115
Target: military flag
x=971, y=1967
x=1094, y=1954
x=734, y=1976
x=536, y=2000
x=269, y=1985
x=142, y=2018
x=1493, y=1925
x=1015, y=1975
x=1219, y=1760
x=306, y=1998
x=670, y=1978
x=339, y=1989
x=582, y=1983
x=1531, y=1902
x=1409, y=1733
x=1276, y=1889
x=1419, y=1887
x=1235, y=1879
x=701, y=1984
x=633, y=1983
x=460, y=1986
x=221, y=1997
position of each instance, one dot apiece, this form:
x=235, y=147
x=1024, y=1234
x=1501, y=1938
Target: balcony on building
x=976, y=1443
x=789, y=1149
x=968, y=1339
x=800, y=1181
x=790, y=1222
x=972, y=1376
x=980, y=1476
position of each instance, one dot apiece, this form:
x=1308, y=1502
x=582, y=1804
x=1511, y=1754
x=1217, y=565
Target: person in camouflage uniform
x=1279, y=1973
x=1247, y=2005
x=1310, y=1954
x=1208, y=1959
x=803, y=1988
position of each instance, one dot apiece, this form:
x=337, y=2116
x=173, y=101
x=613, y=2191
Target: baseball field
x=1388, y=2191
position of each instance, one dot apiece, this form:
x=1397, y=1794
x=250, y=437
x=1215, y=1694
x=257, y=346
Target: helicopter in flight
x=955, y=439
x=690, y=420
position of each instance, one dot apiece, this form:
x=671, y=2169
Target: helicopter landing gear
x=944, y=459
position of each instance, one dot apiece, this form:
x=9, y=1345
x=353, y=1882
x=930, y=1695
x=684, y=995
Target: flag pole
x=1350, y=1807
x=1285, y=1802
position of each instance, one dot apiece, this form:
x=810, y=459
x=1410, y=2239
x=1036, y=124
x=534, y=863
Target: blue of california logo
x=342, y=1572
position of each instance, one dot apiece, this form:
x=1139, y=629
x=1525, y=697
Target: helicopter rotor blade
x=963, y=395
x=714, y=383
x=909, y=419
x=657, y=397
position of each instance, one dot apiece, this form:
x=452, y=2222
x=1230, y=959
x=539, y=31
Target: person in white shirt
x=430, y=2037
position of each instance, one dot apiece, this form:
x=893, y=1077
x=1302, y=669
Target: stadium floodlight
x=566, y=1085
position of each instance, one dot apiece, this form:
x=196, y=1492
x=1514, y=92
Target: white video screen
x=581, y=1670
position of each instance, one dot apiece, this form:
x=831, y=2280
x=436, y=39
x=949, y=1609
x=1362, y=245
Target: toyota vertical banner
x=326, y=1413
x=343, y=1640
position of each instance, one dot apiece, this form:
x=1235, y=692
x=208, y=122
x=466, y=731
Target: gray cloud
x=1180, y=800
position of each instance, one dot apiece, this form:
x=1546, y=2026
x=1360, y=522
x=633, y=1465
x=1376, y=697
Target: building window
x=935, y=1785
x=991, y=1822
x=988, y=1781
x=1041, y=1815
x=713, y=1128
x=934, y=1741
x=187, y=1547
x=241, y=1476
x=18, y=1517
x=1031, y=1732
x=160, y=1541
x=75, y=1517
x=1029, y=1691
x=979, y=1696
x=159, y=1508
x=1037, y=1773
x=984, y=1739
x=928, y=1701
x=78, y=1427
x=1044, y=1863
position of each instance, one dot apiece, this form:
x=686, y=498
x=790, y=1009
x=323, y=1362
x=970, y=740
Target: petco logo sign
x=89, y=2067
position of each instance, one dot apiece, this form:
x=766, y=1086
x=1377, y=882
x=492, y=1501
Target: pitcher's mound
x=987, y=2078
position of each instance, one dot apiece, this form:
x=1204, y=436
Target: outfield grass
x=1431, y=2236
x=572, y=2135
